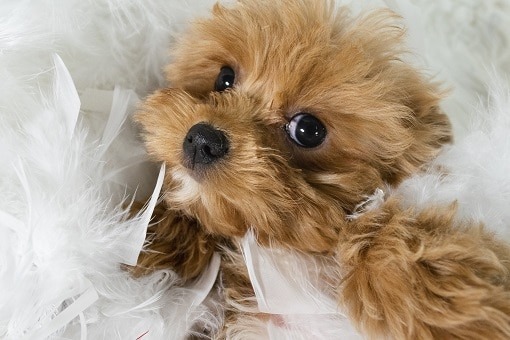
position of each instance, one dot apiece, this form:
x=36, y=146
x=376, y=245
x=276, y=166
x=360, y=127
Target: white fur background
x=71, y=73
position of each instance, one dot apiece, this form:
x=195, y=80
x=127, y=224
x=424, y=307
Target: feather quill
x=84, y=301
x=122, y=100
x=134, y=241
x=286, y=282
x=203, y=286
x=291, y=284
x=67, y=101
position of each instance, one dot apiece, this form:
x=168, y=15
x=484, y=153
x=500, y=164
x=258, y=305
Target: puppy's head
x=284, y=114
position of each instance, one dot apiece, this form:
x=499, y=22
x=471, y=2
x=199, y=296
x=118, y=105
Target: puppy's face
x=283, y=115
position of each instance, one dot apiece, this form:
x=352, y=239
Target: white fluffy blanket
x=71, y=73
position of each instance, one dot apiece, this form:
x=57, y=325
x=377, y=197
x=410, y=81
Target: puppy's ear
x=175, y=242
x=429, y=127
x=413, y=128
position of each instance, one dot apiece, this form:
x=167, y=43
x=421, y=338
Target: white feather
x=67, y=101
x=285, y=282
x=122, y=100
x=293, y=285
x=135, y=239
x=477, y=168
x=203, y=286
x=370, y=203
x=59, y=321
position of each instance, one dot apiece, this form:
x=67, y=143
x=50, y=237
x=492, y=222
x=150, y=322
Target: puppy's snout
x=203, y=145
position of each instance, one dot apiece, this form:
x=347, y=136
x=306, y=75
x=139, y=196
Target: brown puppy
x=282, y=117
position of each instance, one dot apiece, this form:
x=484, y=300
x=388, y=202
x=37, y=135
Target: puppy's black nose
x=204, y=145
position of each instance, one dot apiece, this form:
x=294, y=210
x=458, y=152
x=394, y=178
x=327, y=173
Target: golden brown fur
x=189, y=258
x=411, y=274
x=417, y=275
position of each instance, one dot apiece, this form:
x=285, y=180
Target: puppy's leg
x=421, y=276
x=175, y=242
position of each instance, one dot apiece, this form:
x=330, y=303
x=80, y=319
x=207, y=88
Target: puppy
x=283, y=116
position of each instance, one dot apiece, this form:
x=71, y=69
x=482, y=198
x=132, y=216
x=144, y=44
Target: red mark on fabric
x=141, y=336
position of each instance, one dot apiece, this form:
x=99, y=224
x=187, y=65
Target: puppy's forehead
x=282, y=51
x=281, y=45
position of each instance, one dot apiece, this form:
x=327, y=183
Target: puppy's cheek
x=204, y=202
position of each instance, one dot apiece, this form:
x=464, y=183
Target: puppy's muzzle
x=204, y=145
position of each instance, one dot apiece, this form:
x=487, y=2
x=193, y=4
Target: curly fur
x=420, y=275
x=408, y=274
x=189, y=258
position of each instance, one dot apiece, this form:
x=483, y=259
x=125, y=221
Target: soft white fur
x=64, y=177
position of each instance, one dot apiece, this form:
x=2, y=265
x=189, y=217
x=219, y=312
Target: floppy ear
x=413, y=129
x=429, y=127
x=175, y=242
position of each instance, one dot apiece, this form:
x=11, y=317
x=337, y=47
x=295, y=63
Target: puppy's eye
x=305, y=130
x=225, y=79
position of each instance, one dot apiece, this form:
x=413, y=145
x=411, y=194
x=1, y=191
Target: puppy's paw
x=421, y=276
